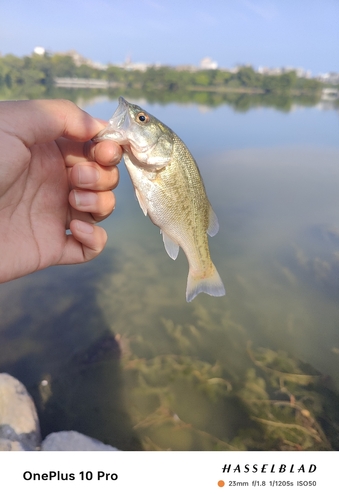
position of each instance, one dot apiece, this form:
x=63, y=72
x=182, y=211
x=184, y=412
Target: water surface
x=189, y=376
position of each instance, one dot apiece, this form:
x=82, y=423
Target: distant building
x=40, y=51
x=300, y=72
x=331, y=78
x=79, y=59
x=330, y=94
x=186, y=67
x=136, y=66
x=235, y=69
x=129, y=65
x=207, y=63
x=263, y=70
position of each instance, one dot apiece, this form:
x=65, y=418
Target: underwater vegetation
x=178, y=402
x=280, y=404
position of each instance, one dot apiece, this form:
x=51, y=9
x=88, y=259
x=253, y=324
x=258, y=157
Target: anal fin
x=171, y=247
x=213, y=226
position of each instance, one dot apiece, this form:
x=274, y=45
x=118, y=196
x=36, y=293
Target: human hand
x=52, y=178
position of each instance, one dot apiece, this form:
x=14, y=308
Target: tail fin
x=212, y=285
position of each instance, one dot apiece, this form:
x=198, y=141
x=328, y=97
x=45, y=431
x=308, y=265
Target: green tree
x=248, y=77
x=287, y=80
x=202, y=78
x=63, y=66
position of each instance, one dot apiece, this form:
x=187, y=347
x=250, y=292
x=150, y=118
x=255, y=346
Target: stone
x=8, y=445
x=19, y=425
x=73, y=441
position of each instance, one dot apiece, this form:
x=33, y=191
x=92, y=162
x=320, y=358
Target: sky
x=271, y=33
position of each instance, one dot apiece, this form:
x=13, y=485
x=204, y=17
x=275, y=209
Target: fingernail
x=84, y=227
x=85, y=198
x=115, y=160
x=88, y=175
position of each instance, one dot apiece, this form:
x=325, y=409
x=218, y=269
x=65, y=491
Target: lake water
x=126, y=359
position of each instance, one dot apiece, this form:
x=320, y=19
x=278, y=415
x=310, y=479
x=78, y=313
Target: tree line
x=39, y=72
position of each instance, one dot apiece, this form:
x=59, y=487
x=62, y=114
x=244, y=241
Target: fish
x=170, y=190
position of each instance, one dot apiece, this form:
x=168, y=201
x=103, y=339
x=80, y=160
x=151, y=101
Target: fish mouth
x=117, y=125
x=119, y=117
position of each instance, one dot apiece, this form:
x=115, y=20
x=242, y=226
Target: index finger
x=39, y=121
x=107, y=153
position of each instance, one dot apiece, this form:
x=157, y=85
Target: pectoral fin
x=213, y=226
x=141, y=201
x=171, y=247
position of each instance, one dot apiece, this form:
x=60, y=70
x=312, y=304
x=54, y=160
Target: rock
x=88, y=396
x=19, y=425
x=8, y=445
x=73, y=441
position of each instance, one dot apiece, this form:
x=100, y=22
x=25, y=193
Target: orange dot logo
x=221, y=483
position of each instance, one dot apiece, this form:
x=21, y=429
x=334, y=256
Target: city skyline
x=206, y=63
x=264, y=33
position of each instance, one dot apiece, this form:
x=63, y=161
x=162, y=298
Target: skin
x=52, y=178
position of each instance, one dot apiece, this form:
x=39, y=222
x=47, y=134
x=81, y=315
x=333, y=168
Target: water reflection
x=128, y=361
x=239, y=100
x=47, y=316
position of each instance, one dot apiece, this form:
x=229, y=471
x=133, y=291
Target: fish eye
x=142, y=117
